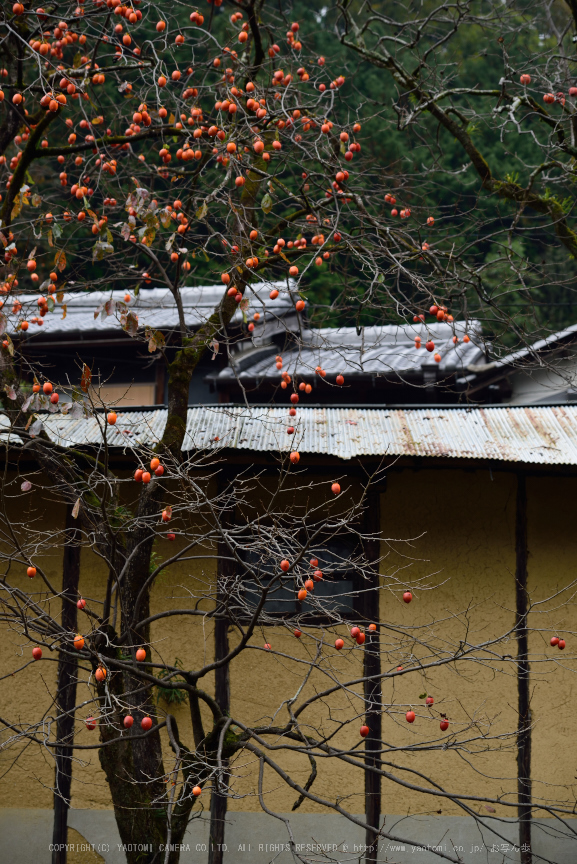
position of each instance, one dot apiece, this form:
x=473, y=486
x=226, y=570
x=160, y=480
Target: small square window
x=337, y=591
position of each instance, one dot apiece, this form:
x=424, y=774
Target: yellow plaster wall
x=468, y=549
x=552, y=543
x=462, y=529
x=463, y=548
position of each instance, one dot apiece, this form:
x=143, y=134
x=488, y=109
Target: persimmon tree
x=103, y=107
x=274, y=133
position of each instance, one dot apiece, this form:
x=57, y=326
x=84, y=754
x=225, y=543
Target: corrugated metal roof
x=132, y=429
x=373, y=351
x=542, y=435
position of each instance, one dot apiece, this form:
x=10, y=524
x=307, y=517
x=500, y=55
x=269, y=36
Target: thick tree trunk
x=218, y=802
x=66, y=690
x=372, y=687
x=139, y=807
x=134, y=767
x=524, y=720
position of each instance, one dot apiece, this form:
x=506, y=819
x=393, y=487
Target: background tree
x=486, y=98
x=103, y=106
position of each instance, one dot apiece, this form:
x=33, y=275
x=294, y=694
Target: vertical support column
x=160, y=383
x=372, y=686
x=66, y=690
x=523, y=684
x=225, y=572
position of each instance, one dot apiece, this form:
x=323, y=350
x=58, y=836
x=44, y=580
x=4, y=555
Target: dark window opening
x=333, y=597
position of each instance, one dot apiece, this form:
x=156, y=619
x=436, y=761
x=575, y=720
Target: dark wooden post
x=524, y=707
x=372, y=687
x=225, y=572
x=66, y=689
x=160, y=382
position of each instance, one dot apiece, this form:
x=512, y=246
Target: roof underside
x=543, y=435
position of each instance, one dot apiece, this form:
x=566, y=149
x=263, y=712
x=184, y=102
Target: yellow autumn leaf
x=60, y=260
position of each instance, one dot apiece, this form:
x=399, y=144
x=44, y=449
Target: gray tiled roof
x=155, y=307
x=373, y=351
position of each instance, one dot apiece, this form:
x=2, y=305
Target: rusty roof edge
x=544, y=435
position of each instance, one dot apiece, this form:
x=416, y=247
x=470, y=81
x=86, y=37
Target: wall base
x=255, y=838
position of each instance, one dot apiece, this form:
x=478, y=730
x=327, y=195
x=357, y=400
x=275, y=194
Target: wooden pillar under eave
x=372, y=683
x=524, y=791
x=225, y=572
x=66, y=691
x=160, y=383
